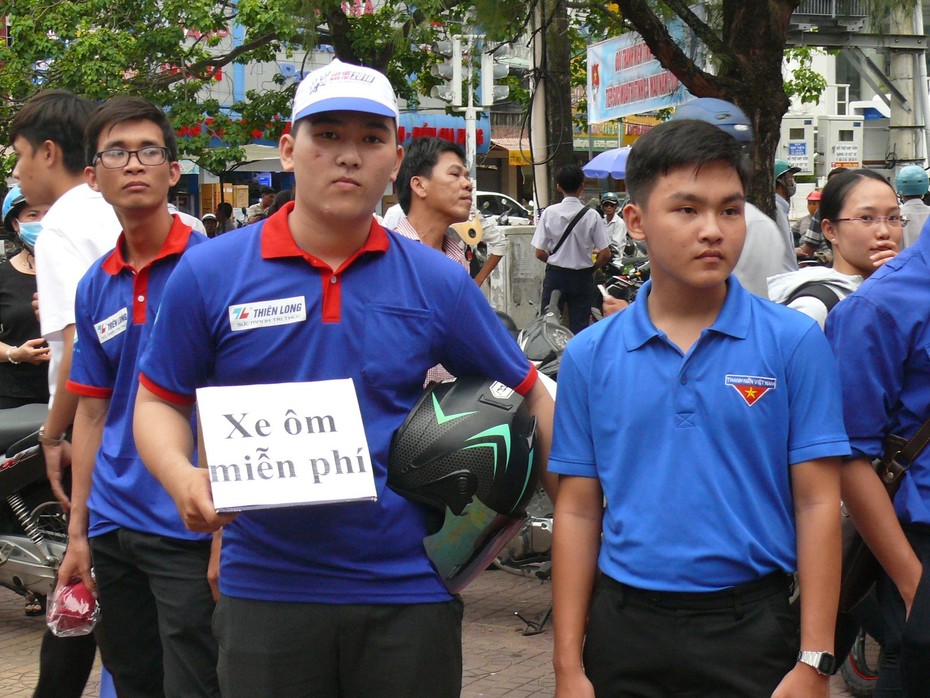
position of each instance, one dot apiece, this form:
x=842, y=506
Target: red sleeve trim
x=527, y=383
x=89, y=390
x=166, y=395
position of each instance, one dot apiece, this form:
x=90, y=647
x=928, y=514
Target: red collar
x=277, y=240
x=174, y=244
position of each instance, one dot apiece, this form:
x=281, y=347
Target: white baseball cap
x=343, y=86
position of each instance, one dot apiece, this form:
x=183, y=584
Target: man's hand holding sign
x=284, y=445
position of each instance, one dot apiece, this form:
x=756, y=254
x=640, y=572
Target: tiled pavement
x=499, y=660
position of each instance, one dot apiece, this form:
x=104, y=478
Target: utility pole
x=908, y=116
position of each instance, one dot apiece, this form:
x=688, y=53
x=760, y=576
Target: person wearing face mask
x=785, y=188
x=24, y=355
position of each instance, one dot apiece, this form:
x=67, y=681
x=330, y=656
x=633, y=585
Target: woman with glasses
x=862, y=221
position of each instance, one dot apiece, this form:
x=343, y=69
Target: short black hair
x=419, y=160
x=225, y=208
x=570, y=178
x=120, y=109
x=675, y=144
x=267, y=190
x=58, y=116
x=838, y=187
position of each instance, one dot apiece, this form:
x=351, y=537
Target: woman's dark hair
x=834, y=194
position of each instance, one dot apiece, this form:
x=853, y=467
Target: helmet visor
x=466, y=545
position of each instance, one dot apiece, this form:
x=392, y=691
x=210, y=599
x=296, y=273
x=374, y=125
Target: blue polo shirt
x=252, y=308
x=116, y=307
x=881, y=334
x=693, y=451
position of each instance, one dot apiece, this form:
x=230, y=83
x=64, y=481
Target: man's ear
x=90, y=176
x=286, y=146
x=50, y=153
x=419, y=185
x=174, y=173
x=400, y=159
x=633, y=217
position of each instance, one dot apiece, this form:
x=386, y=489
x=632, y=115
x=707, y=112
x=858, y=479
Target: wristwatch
x=48, y=440
x=823, y=662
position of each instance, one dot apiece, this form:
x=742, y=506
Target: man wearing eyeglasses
x=150, y=571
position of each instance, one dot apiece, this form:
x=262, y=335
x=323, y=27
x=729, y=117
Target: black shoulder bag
x=569, y=229
x=860, y=568
x=814, y=289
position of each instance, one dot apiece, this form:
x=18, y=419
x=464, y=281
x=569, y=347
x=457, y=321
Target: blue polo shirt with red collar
x=254, y=308
x=115, y=309
x=695, y=465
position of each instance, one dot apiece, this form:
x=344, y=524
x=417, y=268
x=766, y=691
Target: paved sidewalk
x=499, y=660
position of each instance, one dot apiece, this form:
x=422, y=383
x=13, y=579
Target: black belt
x=756, y=590
x=586, y=270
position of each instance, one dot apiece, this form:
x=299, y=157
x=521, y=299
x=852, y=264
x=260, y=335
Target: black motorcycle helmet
x=466, y=446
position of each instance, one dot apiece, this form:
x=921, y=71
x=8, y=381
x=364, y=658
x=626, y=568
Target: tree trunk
x=558, y=93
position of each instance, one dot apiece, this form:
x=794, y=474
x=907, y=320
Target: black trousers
x=64, y=665
x=309, y=650
x=905, y=666
x=734, y=643
x=155, y=631
x=577, y=288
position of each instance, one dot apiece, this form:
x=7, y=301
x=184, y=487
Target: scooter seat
x=19, y=422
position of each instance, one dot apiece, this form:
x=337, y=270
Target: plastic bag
x=72, y=610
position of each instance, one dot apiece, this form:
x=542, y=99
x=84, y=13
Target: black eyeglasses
x=115, y=158
x=608, y=203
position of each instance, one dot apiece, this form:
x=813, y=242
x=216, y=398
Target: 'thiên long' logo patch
x=751, y=388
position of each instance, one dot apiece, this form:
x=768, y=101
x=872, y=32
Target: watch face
x=827, y=663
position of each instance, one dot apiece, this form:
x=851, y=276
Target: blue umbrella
x=609, y=163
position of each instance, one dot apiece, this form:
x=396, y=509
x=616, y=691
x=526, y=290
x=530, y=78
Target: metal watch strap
x=823, y=662
x=49, y=440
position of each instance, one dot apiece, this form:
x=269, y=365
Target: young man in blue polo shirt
x=150, y=572
x=887, y=392
x=721, y=483
x=333, y=599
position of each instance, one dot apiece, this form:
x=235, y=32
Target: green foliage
x=805, y=83
x=169, y=51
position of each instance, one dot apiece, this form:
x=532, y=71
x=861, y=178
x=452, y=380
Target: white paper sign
x=285, y=444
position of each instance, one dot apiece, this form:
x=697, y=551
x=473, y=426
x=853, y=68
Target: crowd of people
x=680, y=525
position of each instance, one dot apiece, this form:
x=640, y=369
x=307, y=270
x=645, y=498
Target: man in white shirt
x=613, y=219
x=569, y=267
x=47, y=136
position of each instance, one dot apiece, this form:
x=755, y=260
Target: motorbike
x=860, y=670
x=626, y=272
x=544, y=339
x=529, y=552
x=33, y=529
